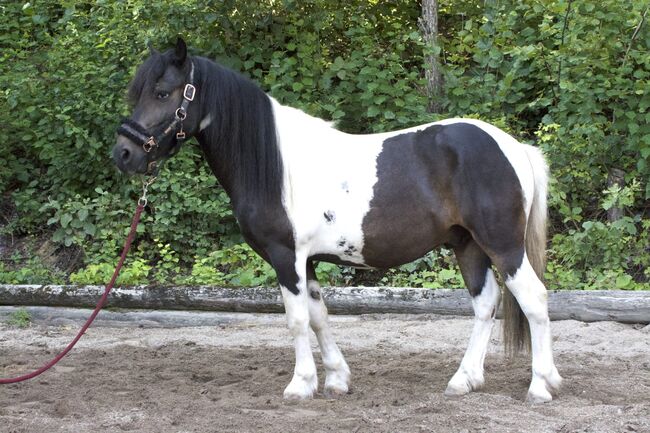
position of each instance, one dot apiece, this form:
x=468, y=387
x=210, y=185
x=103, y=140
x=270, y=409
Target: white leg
x=469, y=376
x=304, y=382
x=337, y=378
x=531, y=296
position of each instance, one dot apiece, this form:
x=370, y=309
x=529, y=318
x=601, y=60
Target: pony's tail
x=516, y=333
x=536, y=228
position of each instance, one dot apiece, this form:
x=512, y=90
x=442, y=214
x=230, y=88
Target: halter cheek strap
x=140, y=135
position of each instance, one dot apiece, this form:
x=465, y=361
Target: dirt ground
x=230, y=378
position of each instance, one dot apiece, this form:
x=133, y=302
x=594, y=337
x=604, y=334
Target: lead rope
x=142, y=202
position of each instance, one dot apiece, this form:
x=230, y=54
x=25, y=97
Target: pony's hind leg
x=484, y=289
x=531, y=296
x=337, y=379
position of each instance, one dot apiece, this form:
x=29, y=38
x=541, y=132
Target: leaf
x=373, y=111
x=623, y=281
x=89, y=228
x=645, y=152
x=65, y=220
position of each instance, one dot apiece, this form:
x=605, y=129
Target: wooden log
x=589, y=306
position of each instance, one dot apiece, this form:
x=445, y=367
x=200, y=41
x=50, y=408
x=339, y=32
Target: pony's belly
x=400, y=245
x=340, y=237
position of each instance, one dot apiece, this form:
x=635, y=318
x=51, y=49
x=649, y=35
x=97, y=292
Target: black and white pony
x=304, y=192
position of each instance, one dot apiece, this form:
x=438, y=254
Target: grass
x=20, y=318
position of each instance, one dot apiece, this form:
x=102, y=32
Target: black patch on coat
x=330, y=216
x=431, y=182
x=472, y=260
x=350, y=250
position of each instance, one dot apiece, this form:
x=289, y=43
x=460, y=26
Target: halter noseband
x=139, y=135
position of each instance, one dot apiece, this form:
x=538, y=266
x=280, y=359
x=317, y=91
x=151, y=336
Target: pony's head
x=164, y=114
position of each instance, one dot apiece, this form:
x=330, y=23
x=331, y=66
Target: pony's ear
x=180, y=52
x=152, y=50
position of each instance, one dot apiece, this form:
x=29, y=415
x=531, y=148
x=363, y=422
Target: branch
x=566, y=24
x=634, y=35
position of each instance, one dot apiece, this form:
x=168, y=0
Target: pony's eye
x=162, y=95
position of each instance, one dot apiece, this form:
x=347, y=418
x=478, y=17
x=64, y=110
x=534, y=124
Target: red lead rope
x=100, y=303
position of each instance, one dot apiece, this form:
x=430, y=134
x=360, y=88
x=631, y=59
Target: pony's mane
x=147, y=74
x=242, y=132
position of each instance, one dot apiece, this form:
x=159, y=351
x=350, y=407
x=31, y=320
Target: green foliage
x=237, y=266
x=435, y=270
x=32, y=271
x=567, y=75
x=20, y=318
x=592, y=256
x=133, y=273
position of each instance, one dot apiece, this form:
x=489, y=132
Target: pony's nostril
x=126, y=154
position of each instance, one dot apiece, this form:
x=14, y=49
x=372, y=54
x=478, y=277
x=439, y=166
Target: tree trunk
x=429, y=27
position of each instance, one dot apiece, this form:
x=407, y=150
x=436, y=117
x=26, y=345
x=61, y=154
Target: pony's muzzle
x=128, y=157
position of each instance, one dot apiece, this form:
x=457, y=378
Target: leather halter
x=140, y=135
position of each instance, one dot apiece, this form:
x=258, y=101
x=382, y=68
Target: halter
x=140, y=135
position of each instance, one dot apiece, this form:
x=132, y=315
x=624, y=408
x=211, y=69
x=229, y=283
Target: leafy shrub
x=33, y=271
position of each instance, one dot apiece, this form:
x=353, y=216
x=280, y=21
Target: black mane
x=242, y=133
x=147, y=74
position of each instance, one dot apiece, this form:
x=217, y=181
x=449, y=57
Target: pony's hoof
x=461, y=383
x=337, y=383
x=300, y=389
x=456, y=391
x=539, y=397
x=538, y=391
x=333, y=392
x=336, y=386
x=542, y=385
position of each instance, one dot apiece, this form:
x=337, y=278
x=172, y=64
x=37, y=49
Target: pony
x=303, y=191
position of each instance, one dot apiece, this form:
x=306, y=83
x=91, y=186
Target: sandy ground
x=230, y=377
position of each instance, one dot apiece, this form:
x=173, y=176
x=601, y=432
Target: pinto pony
x=304, y=192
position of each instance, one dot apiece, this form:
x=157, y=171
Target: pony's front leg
x=304, y=382
x=337, y=380
x=291, y=272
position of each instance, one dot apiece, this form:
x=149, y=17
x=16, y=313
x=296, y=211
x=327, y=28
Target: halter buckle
x=149, y=144
x=181, y=114
x=189, y=92
x=180, y=135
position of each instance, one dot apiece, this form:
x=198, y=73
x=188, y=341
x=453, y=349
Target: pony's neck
x=239, y=137
x=217, y=162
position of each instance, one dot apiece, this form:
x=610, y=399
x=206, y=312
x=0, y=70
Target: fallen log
x=588, y=306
